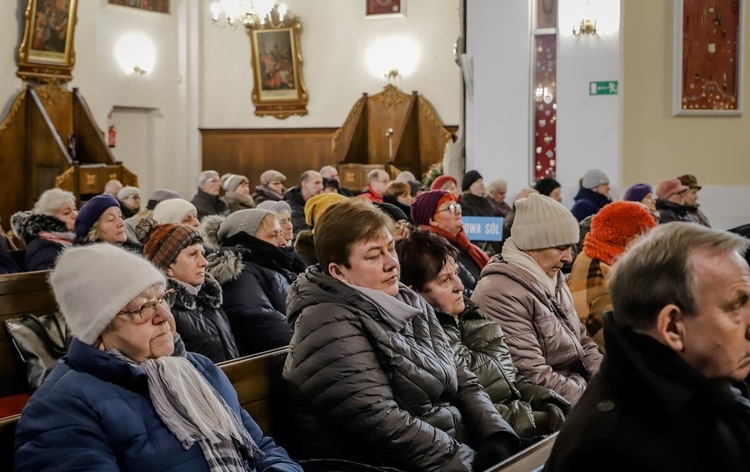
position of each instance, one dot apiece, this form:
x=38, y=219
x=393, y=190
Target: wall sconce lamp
x=587, y=26
x=391, y=75
x=135, y=54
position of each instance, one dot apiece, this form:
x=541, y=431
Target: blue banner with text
x=483, y=228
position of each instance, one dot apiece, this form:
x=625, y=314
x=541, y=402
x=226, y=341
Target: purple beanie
x=423, y=207
x=91, y=211
x=637, y=192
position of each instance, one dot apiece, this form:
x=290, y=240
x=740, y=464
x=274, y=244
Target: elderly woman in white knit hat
x=176, y=210
x=127, y=396
x=283, y=215
x=130, y=201
x=47, y=229
x=237, y=193
x=255, y=268
x=524, y=290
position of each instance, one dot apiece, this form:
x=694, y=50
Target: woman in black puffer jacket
x=371, y=375
x=47, y=229
x=201, y=322
x=255, y=268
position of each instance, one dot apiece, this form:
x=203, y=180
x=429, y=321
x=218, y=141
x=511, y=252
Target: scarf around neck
x=194, y=411
x=462, y=240
x=66, y=239
x=518, y=258
x=396, y=311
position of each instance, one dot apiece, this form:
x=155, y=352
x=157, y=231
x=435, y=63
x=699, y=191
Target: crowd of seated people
x=401, y=330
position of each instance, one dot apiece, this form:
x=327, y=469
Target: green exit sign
x=608, y=87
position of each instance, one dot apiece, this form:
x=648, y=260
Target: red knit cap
x=423, y=207
x=438, y=183
x=616, y=225
x=163, y=243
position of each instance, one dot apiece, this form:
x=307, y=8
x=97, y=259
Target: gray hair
x=51, y=200
x=307, y=175
x=497, y=185
x=205, y=175
x=374, y=174
x=658, y=271
x=325, y=169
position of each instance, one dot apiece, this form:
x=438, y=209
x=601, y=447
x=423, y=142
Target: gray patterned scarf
x=195, y=412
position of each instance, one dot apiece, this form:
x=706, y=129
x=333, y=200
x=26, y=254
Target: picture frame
x=278, y=87
x=707, y=62
x=46, y=52
x=158, y=6
x=375, y=9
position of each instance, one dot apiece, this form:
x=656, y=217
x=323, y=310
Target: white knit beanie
x=244, y=220
x=125, y=192
x=93, y=283
x=541, y=223
x=173, y=210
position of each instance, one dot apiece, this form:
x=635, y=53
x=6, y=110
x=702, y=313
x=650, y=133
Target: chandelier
x=251, y=13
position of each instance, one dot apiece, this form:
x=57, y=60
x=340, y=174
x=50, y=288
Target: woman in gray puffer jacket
x=370, y=371
x=430, y=268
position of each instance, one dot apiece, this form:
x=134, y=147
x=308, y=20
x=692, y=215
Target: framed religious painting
x=160, y=6
x=707, y=67
x=384, y=9
x=46, y=52
x=278, y=88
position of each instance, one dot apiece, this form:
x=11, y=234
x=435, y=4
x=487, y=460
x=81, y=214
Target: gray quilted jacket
x=368, y=389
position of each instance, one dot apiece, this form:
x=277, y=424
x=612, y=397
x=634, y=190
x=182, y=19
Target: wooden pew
x=26, y=292
x=531, y=459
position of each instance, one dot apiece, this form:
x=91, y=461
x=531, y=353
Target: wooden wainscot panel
x=250, y=152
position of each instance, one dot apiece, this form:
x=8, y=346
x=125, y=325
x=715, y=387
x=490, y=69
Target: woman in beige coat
x=525, y=292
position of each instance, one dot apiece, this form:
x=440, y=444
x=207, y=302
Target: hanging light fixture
x=251, y=13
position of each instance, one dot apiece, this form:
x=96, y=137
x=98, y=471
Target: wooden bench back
x=26, y=292
x=531, y=459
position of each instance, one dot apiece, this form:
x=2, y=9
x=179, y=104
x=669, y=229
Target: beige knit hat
x=542, y=223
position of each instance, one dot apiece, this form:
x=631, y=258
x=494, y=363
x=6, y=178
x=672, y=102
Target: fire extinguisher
x=112, y=136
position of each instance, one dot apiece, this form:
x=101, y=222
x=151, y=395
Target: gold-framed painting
x=278, y=88
x=46, y=52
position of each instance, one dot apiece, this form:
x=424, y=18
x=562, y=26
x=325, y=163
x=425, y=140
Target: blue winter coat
x=587, y=203
x=94, y=413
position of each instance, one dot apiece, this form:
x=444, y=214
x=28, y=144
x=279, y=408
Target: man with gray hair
x=330, y=173
x=207, y=201
x=670, y=394
x=377, y=182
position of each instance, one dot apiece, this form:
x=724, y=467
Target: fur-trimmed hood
x=28, y=225
x=225, y=265
x=210, y=294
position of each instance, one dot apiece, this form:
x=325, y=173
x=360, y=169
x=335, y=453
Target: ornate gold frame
x=278, y=88
x=47, y=55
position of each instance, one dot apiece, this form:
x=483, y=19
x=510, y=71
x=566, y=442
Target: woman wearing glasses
x=127, y=396
x=440, y=212
x=178, y=251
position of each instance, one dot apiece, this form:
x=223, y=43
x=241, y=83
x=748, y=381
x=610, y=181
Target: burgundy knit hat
x=613, y=227
x=423, y=207
x=163, y=243
x=438, y=183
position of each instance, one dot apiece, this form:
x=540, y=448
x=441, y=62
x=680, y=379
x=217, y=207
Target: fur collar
x=210, y=294
x=27, y=224
x=225, y=265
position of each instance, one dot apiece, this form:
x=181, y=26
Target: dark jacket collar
x=594, y=197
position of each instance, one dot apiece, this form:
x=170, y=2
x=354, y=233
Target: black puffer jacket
x=378, y=386
x=255, y=286
x=201, y=321
x=296, y=202
x=530, y=409
x=207, y=204
x=41, y=253
x=669, y=211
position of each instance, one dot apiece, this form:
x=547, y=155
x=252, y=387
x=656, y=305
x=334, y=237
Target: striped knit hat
x=163, y=243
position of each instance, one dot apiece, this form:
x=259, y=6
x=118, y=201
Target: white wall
x=334, y=39
x=498, y=117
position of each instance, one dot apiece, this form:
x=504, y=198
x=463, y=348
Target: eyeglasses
x=211, y=180
x=145, y=313
x=454, y=208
